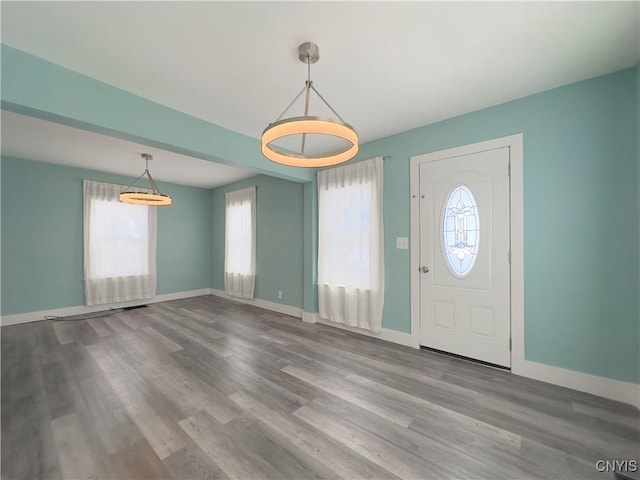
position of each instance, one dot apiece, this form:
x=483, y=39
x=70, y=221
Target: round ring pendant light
x=144, y=198
x=309, y=53
x=153, y=198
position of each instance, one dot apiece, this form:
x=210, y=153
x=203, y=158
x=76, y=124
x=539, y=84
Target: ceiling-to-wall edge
x=33, y=86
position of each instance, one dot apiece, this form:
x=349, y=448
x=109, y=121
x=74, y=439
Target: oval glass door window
x=460, y=231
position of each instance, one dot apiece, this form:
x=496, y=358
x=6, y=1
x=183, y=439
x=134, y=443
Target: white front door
x=464, y=256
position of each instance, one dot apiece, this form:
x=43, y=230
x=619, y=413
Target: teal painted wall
x=279, y=238
x=580, y=218
x=42, y=246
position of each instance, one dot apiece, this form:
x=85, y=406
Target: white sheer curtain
x=351, y=244
x=240, y=243
x=119, y=246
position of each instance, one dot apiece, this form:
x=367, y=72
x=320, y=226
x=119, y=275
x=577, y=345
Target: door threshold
x=466, y=359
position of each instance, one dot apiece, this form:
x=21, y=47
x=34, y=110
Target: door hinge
x=509, y=343
x=509, y=169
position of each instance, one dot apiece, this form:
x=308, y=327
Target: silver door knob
x=424, y=269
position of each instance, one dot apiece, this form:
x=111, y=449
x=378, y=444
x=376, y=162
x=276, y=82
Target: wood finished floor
x=206, y=388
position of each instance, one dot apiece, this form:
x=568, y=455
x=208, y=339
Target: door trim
x=516, y=217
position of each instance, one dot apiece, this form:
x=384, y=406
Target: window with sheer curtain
x=240, y=242
x=351, y=245
x=119, y=246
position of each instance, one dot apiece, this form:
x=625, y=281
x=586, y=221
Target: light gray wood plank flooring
x=208, y=388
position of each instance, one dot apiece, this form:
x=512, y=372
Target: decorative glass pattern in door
x=460, y=231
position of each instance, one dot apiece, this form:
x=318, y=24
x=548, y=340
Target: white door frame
x=516, y=191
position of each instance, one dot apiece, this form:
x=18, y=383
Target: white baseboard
x=386, y=334
x=625, y=392
x=273, y=306
x=309, y=317
x=392, y=336
x=18, y=318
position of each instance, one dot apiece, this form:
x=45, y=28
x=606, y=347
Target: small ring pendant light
x=309, y=53
x=153, y=198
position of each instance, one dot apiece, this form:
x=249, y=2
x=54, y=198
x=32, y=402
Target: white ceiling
x=385, y=67
x=42, y=141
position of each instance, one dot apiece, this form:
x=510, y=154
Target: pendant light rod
x=327, y=104
x=153, y=198
x=292, y=102
x=308, y=85
x=133, y=183
x=154, y=187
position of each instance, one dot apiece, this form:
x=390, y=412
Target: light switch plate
x=402, y=243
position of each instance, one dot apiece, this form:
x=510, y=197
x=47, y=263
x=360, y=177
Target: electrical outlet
x=279, y=294
x=402, y=243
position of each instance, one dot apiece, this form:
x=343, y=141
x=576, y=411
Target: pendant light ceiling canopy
x=153, y=198
x=309, y=125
